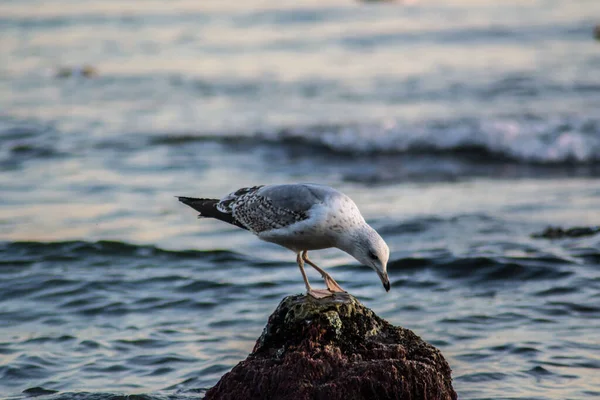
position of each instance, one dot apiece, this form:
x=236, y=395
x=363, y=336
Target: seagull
x=302, y=217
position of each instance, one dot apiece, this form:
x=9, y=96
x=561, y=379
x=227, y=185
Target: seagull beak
x=385, y=280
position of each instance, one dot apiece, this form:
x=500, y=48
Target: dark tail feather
x=208, y=208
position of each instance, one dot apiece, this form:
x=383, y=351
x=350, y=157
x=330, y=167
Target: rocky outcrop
x=336, y=348
x=556, y=232
x=85, y=71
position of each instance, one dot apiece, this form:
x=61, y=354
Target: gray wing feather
x=297, y=198
x=276, y=206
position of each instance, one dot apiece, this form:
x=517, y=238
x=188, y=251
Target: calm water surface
x=459, y=127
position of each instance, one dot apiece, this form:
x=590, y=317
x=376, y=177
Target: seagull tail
x=208, y=208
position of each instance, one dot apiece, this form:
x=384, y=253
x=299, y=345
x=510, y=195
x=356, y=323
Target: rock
x=38, y=391
x=336, y=348
x=556, y=232
x=597, y=32
x=86, y=71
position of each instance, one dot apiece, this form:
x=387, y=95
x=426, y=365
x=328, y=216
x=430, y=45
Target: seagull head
x=369, y=249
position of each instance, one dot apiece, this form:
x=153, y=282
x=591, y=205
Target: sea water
x=460, y=128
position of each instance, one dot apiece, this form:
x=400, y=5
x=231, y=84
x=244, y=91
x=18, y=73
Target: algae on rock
x=336, y=348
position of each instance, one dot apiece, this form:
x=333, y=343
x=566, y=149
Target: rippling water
x=459, y=127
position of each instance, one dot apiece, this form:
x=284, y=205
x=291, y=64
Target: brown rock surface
x=336, y=348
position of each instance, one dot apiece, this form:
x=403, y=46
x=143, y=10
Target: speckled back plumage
x=260, y=208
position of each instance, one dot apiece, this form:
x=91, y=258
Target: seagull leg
x=332, y=285
x=317, y=294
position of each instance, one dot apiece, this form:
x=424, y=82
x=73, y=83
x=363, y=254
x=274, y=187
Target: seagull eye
x=373, y=255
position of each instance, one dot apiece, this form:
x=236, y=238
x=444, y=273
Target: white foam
x=554, y=141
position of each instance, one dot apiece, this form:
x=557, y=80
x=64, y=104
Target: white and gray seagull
x=302, y=217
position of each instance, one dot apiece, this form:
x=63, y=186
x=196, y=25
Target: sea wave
x=525, y=140
x=555, y=141
x=21, y=253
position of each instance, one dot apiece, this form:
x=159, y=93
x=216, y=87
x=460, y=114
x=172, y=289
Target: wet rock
x=38, y=391
x=86, y=71
x=556, y=232
x=336, y=348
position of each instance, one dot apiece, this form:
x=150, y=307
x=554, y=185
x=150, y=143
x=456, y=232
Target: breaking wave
x=557, y=141
x=530, y=140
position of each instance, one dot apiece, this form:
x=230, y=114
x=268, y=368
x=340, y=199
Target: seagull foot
x=320, y=293
x=332, y=285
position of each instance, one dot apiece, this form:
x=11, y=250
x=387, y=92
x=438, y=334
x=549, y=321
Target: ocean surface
x=460, y=128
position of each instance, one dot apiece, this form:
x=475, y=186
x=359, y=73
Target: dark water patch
x=38, y=391
x=88, y=345
x=292, y=17
x=592, y=311
x=18, y=291
x=231, y=323
x=440, y=343
x=525, y=351
x=410, y=264
x=81, y=290
x=114, y=368
x=557, y=291
x=83, y=302
x=21, y=142
x=159, y=359
x=589, y=255
x=18, y=372
x=6, y=348
x=542, y=321
x=416, y=226
x=489, y=269
x=563, y=362
x=474, y=357
x=169, y=279
x=161, y=371
x=144, y=343
x=182, y=139
x=214, y=369
x=540, y=372
x=10, y=318
x=183, y=304
x=567, y=309
x=201, y=285
x=112, y=309
x=16, y=130
x=40, y=361
x=482, y=377
x=417, y=284
x=33, y=151
x=48, y=339
x=479, y=319
x=263, y=285
x=591, y=364
x=148, y=301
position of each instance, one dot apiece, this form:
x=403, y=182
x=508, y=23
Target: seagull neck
x=347, y=242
